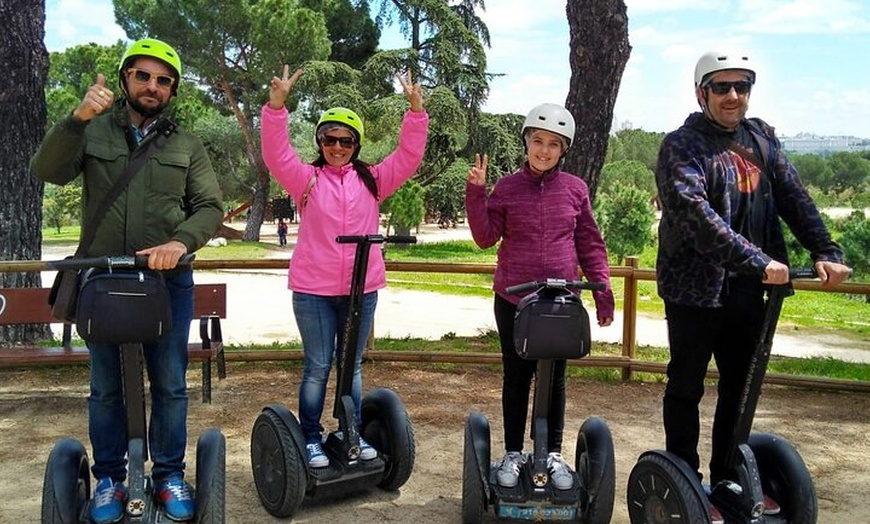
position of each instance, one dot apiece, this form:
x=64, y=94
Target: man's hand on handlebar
x=164, y=256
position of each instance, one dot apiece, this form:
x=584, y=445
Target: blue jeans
x=321, y=321
x=166, y=362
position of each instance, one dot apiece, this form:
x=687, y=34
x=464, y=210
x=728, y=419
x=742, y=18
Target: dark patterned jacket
x=696, y=178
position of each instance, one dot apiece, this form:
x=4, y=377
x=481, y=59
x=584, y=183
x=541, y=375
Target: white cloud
x=73, y=22
x=806, y=17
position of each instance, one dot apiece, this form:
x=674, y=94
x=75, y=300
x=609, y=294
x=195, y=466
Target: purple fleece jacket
x=546, y=229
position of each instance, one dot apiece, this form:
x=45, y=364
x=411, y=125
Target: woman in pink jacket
x=337, y=194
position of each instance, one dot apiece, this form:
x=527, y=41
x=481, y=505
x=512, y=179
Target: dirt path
x=38, y=407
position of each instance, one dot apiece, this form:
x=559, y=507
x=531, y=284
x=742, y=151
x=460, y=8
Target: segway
x=551, y=324
x=66, y=488
x=663, y=489
x=278, y=457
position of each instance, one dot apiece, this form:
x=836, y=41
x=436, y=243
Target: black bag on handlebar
x=551, y=324
x=120, y=306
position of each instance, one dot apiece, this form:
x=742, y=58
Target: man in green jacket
x=171, y=207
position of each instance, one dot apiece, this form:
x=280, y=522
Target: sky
x=810, y=57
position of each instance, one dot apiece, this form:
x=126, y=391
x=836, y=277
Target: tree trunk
x=24, y=62
x=599, y=50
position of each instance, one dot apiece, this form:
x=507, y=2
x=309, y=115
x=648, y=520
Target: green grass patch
x=66, y=235
x=237, y=250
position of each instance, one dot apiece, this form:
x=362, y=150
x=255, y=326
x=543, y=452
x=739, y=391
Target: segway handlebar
x=555, y=283
x=801, y=272
x=112, y=262
x=376, y=239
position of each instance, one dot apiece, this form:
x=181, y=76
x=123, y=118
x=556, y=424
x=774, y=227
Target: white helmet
x=714, y=61
x=553, y=118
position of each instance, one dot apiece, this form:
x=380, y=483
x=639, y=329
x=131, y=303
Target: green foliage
x=627, y=173
x=448, y=134
x=855, y=240
x=353, y=33
x=626, y=219
x=75, y=69
x=813, y=169
x=226, y=149
x=406, y=208
x=498, y=136
x=448, y=41
x=446, y=194
x=61, y=205
x=635, y=144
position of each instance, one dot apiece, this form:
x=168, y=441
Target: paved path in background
x=259, y=311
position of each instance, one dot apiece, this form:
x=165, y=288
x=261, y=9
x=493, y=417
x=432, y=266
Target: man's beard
x=146, y=112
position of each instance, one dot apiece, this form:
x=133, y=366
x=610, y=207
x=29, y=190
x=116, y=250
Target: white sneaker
x=560, y=474
x=316, y=457
x=509, y=472
x=366, y=451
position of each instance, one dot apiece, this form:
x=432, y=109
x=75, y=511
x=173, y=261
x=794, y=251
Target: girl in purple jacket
x=337, y=194
x=543, y=218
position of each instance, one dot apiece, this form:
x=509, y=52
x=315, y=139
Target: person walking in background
x=337, y=194
x=724, y=182
x=543, y=218
x=171, y=207
x=282, y=232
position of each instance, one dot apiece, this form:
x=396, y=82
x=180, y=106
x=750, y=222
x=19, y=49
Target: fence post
x=629, y=315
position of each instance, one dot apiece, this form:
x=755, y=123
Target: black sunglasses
x=140, y=76
x=723, y=88
x=345, y=141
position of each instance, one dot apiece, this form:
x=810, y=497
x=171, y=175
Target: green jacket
x=175, y=196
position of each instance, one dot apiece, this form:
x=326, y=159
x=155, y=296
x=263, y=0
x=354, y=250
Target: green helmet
x=344, y=116
x=155, y=49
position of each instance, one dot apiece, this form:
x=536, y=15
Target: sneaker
x=316, y=457
x=560, y=474
x=108, y=503
x=509, y=472
x=175, y=495
x=771, y=507
x=366, y=451
x=716, y=515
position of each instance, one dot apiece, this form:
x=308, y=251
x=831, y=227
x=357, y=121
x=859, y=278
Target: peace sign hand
x=413, y=92
x=477, y=174
x=279, y=88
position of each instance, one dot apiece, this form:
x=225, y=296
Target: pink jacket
x=338, y=204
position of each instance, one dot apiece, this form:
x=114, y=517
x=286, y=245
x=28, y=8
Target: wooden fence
x=626, y=362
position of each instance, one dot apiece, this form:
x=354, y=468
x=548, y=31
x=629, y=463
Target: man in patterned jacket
x=724, y=182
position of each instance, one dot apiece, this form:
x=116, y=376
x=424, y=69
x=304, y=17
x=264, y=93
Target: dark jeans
x=729, y=334
x=516, y=385
x=166, y=362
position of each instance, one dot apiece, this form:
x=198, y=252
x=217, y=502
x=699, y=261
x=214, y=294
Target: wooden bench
x=30, y=306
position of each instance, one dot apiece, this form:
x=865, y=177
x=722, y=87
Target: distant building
x=805, y=143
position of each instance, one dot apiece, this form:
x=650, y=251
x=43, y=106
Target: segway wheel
x=211, y=452
x=66, y=486
x=474, y=484
x=785, y=477
x=386, y=426
x=279, y=466
x=659, y=493
x=595, y=463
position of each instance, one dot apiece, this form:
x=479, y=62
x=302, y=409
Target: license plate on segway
x=537, y=512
